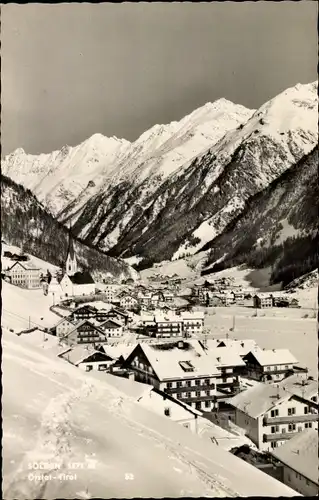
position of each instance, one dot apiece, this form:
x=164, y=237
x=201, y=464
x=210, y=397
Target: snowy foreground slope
x=54, y=413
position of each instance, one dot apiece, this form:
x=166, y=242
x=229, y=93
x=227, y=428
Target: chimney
x=180, y=344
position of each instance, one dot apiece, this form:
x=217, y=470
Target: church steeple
x=71, y=264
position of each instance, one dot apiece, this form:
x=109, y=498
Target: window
x=314, y=398
x=274, y=429
x=305, y=410
x=197, y=393
x=188, y=394
x=179, y=384
x=207, y=381
x=197, y=382
x=275, y=368
x=169, y=385
x=291, y=427
x=167, y=412
x=178, y=395
x=198, y=405
x=308, y=425
x=207, y=404
x=274, y=413
x=207, y=393
x=273, y=444
x=291, y=411
x=224, y=380
x=188, y=383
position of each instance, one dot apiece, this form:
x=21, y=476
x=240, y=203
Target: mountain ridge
x=178, y=186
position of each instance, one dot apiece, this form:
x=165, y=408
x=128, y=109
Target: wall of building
x=283, y=428
x=63, y=328
x=299, y=483
x=97, y=366
x=250, y=424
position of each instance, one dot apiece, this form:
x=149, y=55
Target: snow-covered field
x=22, y=308
x=94, y=442
x=296, y=334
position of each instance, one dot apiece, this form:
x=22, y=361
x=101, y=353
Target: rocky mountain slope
x=278, y=227
x=101, y=170
x=179, y=186
x=26, y=223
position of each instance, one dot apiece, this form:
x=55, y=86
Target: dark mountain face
x=25, y=222
x=278, y=227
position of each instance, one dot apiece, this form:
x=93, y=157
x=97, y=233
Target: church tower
x=71, y=264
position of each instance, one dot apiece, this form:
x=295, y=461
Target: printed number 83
x=129, y=476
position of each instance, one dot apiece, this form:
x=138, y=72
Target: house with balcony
x=168, y=326
x=299, y=457
x=178, y=369
x=269, y=365
x=263, y=300
x=193, y=323
x=111, y=328
x=128, y=302
x=270, y=414
x=83, y=333
x=229, y=366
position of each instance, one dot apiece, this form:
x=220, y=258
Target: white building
x=193, y=322
x=87, y=358
x=299, y=457
x=128, y=302
x=24, y=274
x=271, y=414
x=111, y=291
x=65, y=326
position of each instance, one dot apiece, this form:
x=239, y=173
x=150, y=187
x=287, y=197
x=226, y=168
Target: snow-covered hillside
x=93, y=442
x=74, y=174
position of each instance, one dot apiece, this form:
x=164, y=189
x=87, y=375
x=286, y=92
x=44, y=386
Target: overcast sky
x=69, y=71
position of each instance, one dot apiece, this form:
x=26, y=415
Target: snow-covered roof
x=110, y=323
x=118, y=350
x=273, y=356
x=26, y=265
x=242, y=347
x=99, y=305
x=166, y=362
x=193, y=315
x=219, y=356
x=257, y=400
x=78, y=354
x=301, y=385
x=300, y=453
x=161, y=318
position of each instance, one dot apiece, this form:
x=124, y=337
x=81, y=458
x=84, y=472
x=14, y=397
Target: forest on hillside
x=25, y=223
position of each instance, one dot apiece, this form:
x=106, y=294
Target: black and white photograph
x=159, y=250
